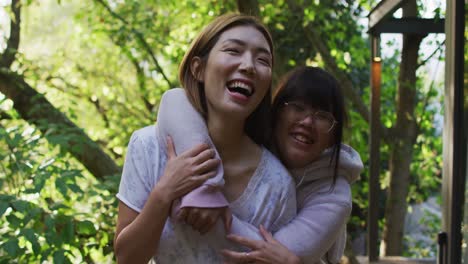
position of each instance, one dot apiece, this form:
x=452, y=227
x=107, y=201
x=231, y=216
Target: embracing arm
x=179, y=119
x=320, y=221
x=310, y=235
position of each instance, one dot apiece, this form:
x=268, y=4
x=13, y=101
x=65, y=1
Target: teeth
x=302, y=138
x=242, y=85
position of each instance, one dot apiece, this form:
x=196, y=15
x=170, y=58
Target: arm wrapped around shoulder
x=179, y=119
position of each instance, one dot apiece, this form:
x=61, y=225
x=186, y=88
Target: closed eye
x=297, y=107
x=265, y=61
x=232, y=51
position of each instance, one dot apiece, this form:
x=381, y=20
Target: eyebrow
x=243, y=43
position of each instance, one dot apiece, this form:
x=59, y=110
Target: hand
x=267, y=251
x=187, y=171
x=203, y=219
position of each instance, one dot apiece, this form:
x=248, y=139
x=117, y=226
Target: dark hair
x=257, y=125
x=319, y=89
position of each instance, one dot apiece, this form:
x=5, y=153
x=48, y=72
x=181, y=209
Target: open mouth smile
x=302, y=138
x=240, y=87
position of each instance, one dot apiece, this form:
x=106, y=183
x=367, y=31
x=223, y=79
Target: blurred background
x=78, y=77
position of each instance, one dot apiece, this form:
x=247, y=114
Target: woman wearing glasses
x=308, y=116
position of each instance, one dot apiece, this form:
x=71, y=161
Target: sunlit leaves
x=51, y=215
x=98, y=66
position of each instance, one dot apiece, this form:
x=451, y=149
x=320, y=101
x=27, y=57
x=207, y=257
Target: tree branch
x=140, y=39
x=101, y=110
x=248, y=7
x=141, y=79
x=58, y=129
x=8, y=55
x=5, y=115
x=439, y=48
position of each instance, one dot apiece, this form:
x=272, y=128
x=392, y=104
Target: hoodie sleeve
x=179, y=119
x=320, y=221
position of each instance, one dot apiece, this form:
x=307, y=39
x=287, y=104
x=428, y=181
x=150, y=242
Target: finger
x=199, y=180
x=204, y=156
x=266, y=235
x=207, y=165
x=194, y=151
x=182, y=215
x=236, y=256
x=227, y=220
x=171, y=153
x=196, y=181
x=250, y=243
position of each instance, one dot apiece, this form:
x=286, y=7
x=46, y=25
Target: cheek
x=281, y=132
x=281, y=127
x=266, y=79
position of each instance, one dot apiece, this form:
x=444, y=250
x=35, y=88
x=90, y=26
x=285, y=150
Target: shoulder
x=324, y=192
x=350, y=164
x=145, y=134
x=173, y=96
x=144, y=140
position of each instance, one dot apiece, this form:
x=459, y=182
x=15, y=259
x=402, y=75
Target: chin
x=296, y=161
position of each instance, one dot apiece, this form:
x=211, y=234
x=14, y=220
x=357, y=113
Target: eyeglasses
x=324, y=121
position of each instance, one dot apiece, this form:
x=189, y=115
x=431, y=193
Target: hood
x=350, y=166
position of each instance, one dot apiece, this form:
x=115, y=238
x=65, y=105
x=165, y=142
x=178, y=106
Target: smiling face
x=308, y=116
x=300, y=140
x=237, y=72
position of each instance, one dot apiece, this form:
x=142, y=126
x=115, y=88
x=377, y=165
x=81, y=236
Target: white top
x=268, y=199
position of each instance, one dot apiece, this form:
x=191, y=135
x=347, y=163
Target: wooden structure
x=455, y=130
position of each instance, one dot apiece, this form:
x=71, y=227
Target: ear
x=196, y=67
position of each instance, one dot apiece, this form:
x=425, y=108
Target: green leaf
x=21, y=206
x=68, y=234
x=85, y=228
x=3, y=207
x=6, y=197
x=11, y=247
x=57, y=206
x=30, y=235
x=61, y=186
x=59, y=256
x=14, y=220
x=75, y=188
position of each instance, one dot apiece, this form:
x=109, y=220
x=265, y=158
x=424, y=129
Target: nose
x=307, y=120
x=247, y=64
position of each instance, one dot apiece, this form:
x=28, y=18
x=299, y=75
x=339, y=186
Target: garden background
x=78, y=77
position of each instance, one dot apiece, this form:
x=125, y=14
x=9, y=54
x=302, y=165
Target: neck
x=228, y=136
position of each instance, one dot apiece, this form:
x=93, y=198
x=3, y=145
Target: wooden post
x=454, y=134
x=374, y=174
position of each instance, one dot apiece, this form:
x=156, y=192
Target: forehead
x=246, y=35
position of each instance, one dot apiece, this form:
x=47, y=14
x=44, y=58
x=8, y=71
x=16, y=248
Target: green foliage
x=50, y=209
x=430, y=224
x=105, y=64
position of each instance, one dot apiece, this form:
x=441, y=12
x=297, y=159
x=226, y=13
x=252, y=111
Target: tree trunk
x=58, y=129
x=401, y=148
x=37, y=110
x=8, y=55
x=249, y=7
